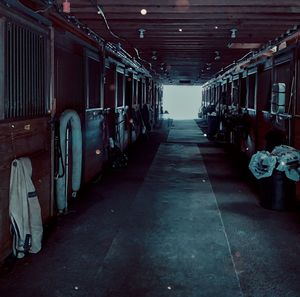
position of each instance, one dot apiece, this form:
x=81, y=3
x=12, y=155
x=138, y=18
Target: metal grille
x=25, y=72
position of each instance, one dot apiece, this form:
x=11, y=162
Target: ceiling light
x=233, y=32
x=143, y=11
x=119, y=46
x=216, y=27
x=180, y=29
x=142, y=32
x=154, y=55
x=217, y=57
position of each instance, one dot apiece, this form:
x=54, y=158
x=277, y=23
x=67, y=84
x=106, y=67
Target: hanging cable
x=50, y=5
x=72, y=19
x=44, y=10
x=100, y=12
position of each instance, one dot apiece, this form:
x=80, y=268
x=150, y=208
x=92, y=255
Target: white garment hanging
x=24, y=209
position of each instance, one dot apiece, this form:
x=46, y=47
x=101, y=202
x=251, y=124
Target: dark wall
x=69, y=79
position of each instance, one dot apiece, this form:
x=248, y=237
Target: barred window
x=25, y=72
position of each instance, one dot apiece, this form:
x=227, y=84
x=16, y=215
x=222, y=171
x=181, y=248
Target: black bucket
x=213, y=124
x=277, y=192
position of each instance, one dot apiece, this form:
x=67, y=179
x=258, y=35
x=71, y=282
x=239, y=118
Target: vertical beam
x=52, y=105
x=26, y=55
x=123, y=88
x=102, y=65
x=2, y=67
x=255, y=91
x=22, y=78
x=87, y=78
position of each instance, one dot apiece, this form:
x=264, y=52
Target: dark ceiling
x=189, y=39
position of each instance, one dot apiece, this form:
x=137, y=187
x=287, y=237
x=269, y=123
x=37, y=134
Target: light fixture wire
x=100, y=12
x=57, y=5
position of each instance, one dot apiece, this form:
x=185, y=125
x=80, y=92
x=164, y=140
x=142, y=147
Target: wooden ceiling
x=188, y=54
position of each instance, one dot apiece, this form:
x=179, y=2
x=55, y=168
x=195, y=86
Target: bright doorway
x=182, y=102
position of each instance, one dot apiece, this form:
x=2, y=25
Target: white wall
x=182, y=102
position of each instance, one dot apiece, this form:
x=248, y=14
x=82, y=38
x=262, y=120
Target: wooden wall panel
x=248, y=144
x=264, y=125
x=297, y=133
x=31, y=138
x=296, y=144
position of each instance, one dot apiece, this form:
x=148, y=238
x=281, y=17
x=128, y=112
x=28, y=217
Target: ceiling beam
x=197, y=9
x=188, y=3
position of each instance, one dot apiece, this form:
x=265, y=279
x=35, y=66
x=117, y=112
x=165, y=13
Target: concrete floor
x=182, y=220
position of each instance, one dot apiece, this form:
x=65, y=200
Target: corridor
x=182, y=220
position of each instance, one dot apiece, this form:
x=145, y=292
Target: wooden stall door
x=93, y=137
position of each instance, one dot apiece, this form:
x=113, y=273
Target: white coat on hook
x=24, y=209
